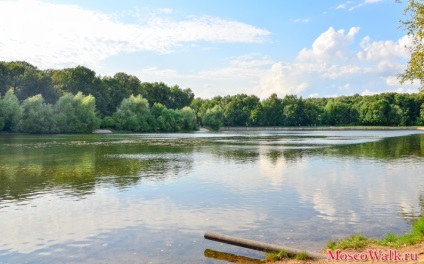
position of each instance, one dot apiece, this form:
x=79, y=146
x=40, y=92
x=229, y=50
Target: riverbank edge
x=319, y=128
x=411, y=242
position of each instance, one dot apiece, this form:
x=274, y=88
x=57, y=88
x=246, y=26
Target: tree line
x=386, y=109
x=76, y=100
x=77, y=114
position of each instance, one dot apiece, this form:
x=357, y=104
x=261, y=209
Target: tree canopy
x=414, y=26
x=76, y=100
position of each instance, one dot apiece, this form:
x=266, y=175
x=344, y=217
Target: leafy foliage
x=189, y=119
x=76, y=114
x=37, y=116
x=133, y=114
x=10, y=111
x=414, y=25
x=112, y=101
x=213, y=117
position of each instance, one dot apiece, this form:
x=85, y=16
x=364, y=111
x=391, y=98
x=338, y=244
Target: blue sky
x=305, y=47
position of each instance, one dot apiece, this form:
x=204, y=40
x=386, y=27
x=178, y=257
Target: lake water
x=149, y=198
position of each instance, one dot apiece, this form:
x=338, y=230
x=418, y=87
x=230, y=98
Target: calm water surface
x=149, y=198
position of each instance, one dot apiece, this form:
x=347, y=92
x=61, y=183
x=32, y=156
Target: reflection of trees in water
x=386, y=149
x=251, y=149
x=248, y=150
x=78, y=170
x=240, y=155
x=26, y=169
x=289, y=155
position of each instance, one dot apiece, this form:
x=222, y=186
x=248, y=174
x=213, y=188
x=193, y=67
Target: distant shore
x=320, y=128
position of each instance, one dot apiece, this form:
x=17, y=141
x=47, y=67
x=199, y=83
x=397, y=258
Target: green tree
x=165, y=119
x=196, y=105
x=37, y=116
x=133, y=114
x=207, y=104
x=257, y=116
x=213, y=117
x=295, y=112
x=414, y=26
x=82, y=79
x=273, y=110
x=410, y=108
x=156, y=111
x=76, y=114
x=156, y=93
x=170, y=120
x=420, y=119
x=336, y=113
x=10, y=111
x=119, y=87
x=238, y=109
x=189, y=119
x=180, y=98
x=26, y=81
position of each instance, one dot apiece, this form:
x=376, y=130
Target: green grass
x=276, y=256
x=415, y=236
x=353, y=241
x=302, y=256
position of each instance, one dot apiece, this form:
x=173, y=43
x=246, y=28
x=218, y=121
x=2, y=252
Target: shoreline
x=321, y=128
x=241, y=129
x=417, y=249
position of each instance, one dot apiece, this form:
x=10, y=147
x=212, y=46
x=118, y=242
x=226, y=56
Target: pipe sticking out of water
x=247, y=243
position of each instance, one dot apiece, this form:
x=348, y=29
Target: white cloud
x=58, y=35
x=249, y=65
x=239, y=75
x=368, y=92
x=342, y=71
x=344, y=5
x=166, y=10
x=282, y=79
x=398, y=90
x=253, y=60
x=345, y=87
x=301, y=20
x=384, y=50
x=163, y=73
x=365, y=2
x=354, y=5
x=102, y=211
x=328, y=68
x=326, y=60
x=330, y=45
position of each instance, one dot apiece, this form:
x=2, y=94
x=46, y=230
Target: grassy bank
x=360, y=242
x=415, y=236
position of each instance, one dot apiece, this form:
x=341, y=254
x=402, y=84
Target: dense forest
x=76, y=100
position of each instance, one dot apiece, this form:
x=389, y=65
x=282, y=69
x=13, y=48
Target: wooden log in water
x=247, y=243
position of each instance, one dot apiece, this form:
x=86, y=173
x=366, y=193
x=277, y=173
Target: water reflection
x=104, y=211
x=78, y=170
x=282, y=188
